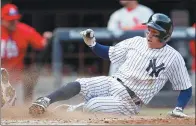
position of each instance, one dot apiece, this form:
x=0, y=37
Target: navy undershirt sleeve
x=101, y=51
x=184, y=97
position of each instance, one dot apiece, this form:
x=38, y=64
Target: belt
x=131, y=93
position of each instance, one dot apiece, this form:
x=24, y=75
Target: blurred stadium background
x=67, y=17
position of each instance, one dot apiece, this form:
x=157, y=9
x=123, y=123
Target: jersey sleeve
x=117, y=53
x=35, y=39
x=179, y=76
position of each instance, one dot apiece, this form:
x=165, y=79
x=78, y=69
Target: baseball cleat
x=39, y=106
x=177, y=112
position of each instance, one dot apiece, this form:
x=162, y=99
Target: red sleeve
x=35, y=39
x=192, y=47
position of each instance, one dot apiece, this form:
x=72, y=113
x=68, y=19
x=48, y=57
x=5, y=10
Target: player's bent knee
x=82, y=80
x=91, y=105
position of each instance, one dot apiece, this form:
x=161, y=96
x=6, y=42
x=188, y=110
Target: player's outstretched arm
x=100, y=50
x=183, y=99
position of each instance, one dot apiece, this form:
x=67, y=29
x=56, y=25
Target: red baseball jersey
x=14, y=46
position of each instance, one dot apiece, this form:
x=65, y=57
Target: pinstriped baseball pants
x=105, y=94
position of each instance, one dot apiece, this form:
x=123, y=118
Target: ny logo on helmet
x=155, y=69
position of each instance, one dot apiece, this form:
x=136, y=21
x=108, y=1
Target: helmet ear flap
x=168, y=35
x=165, y=39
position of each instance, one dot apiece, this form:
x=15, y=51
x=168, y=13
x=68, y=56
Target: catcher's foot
x=39, y=106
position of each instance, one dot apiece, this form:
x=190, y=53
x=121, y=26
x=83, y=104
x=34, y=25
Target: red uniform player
x=15, y=38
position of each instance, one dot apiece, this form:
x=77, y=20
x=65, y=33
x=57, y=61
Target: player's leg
x=63, y=93
x=88, y=87
x=117, y=102
x=94, y=87
x=91, y=87
x=109, y=104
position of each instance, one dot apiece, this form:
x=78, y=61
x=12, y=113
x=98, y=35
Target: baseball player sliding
x=145, y=66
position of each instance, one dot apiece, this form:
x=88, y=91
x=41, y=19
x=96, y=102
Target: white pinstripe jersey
x=145, y=70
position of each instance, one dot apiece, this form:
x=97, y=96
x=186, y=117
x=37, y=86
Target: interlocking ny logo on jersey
x=155, y=69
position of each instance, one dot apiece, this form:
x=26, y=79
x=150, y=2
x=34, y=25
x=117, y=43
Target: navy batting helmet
x=163, y=24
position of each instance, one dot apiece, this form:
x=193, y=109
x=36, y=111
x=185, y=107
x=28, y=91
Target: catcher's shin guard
x=8, y=93
x=39, y=106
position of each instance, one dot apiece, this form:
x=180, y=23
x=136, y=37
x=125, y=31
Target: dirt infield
x=20, y=116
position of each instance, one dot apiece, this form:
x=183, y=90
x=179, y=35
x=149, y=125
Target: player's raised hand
x=178, y=112
x=88, y=36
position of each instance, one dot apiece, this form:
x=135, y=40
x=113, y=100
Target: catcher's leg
x=8, y=93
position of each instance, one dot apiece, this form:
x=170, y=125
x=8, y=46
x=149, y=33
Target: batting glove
x=178, y=112
x=88, y=36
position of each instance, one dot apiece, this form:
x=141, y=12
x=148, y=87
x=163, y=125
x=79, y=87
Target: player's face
x=126, y=2
x=153, y=40
x=10, y=25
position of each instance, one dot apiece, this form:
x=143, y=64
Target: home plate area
x=20, y=116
